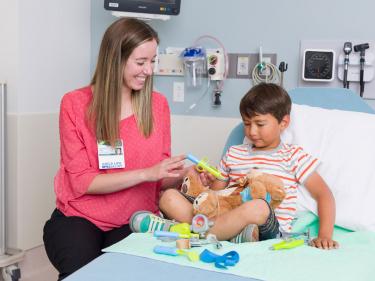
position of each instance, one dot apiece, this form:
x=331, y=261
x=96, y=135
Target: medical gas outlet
x=215, y=64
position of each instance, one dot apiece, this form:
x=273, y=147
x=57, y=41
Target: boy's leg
x=270, y=229
x=175, y=206
x=233, y=222
x=71, y=242
x=253, y=232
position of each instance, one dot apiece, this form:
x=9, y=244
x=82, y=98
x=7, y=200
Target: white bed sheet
x=344, y=141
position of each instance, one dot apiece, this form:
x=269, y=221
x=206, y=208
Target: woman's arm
x=169, y=171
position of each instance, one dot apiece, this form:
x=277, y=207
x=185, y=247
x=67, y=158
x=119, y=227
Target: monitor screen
x=162, y=7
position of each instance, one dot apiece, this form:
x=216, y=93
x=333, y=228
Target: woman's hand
x=168, y=168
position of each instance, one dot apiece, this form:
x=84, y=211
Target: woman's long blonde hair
x=119, y=41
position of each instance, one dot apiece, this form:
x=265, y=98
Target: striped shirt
x=288, y=162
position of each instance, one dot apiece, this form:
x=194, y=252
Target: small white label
x=113, y=5
x=111, y=157
x=243, y=66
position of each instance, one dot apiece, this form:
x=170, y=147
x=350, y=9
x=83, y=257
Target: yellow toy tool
x=291, y=241
x=202, y=165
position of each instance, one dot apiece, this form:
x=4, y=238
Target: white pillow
x=344, y=141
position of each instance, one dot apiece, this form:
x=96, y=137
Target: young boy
x=265, y=112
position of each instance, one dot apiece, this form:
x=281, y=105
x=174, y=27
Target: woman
x=98, y=189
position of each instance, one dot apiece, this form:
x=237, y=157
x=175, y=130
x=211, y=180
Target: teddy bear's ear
x=185, y=185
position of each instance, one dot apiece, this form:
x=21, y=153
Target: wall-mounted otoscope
x=347, y=50
x=362, y=49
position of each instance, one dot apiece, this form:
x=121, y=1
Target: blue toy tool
x=170, y=236
x=229, y=259
x=246, y=196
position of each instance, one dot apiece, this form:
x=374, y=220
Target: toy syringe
x=203, y=165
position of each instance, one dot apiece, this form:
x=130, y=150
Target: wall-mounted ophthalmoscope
x=347, y=50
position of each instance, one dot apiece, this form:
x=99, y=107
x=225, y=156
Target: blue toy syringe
x=202, y=165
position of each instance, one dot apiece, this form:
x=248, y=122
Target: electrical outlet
x=242, y=65
x=178, y=91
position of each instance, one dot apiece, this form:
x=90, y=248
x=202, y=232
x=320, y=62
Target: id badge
x=111, y=157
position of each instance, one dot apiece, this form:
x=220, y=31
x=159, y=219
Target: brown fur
x=261, y=183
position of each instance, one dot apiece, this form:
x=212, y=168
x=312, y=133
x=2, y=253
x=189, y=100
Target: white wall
x=9, y=46
x=203, y=137
x=45, y=52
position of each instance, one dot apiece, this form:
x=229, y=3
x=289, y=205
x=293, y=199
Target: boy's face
x=264, y=130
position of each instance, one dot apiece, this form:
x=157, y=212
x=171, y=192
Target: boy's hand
x=324, y=243
x=206, y=178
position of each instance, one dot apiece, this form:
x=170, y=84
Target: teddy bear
x=209, y=202
x=192, y=186
x=212, y=203
x=260, y=184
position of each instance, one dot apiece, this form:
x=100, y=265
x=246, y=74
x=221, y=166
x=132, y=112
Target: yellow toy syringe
x=202, y=165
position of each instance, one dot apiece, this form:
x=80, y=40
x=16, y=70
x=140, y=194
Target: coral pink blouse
x=79, y=163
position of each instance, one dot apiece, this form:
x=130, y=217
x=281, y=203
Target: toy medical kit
x=200, y=224
x=288, y=244
x=171, y=236
x=183, y=243
x=305, y=234
x=182, y=228
x=194, y=240
x=292, y=240
x=211, y=239
x=173, y=251
x=229, y=259
x=202, y=165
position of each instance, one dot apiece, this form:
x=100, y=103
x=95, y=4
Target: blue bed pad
x=133, y=259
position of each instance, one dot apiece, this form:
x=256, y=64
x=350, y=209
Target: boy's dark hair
x=266, y=98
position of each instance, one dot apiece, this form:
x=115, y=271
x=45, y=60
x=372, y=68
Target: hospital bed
x=130, y=265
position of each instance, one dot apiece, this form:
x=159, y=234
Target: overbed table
x=124, y=267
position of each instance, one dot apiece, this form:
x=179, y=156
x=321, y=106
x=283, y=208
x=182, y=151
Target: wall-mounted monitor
x=157, y=7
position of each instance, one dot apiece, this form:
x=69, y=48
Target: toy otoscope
x=202, y=165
